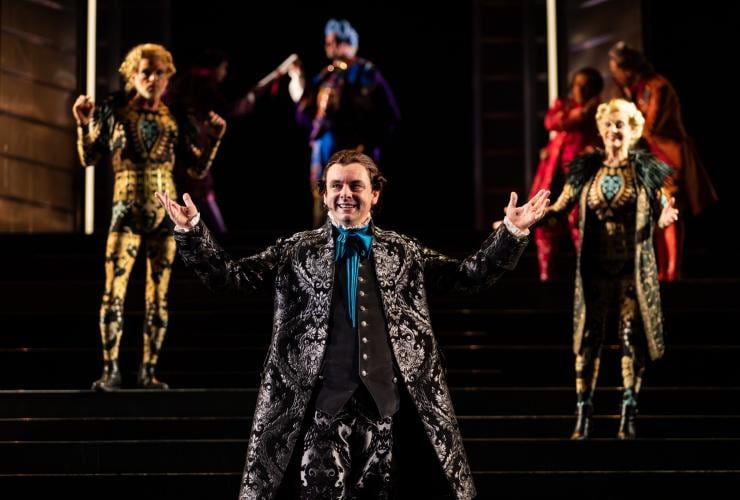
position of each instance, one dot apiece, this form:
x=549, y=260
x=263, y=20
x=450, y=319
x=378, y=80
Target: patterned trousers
x=618, y=295
x=348, y=455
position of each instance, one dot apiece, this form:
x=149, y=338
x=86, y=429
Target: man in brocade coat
x=352, y=340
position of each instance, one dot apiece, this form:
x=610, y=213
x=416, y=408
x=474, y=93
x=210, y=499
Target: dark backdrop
x=425, y=54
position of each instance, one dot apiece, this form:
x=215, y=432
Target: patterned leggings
x=619, y=294
x=349, y=455
x=121, y=251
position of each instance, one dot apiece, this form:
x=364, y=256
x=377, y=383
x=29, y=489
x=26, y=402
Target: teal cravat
x=352, y=245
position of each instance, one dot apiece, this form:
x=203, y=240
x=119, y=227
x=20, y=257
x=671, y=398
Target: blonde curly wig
x=634, y=117
x=130, y=64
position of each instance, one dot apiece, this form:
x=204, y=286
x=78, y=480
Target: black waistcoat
x=358, y=355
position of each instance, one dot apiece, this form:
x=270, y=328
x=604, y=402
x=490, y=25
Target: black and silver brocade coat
x=301, y=271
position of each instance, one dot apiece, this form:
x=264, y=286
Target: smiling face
x=349, y=195
x=151, y=78
x=620, y=126
x=616, y=131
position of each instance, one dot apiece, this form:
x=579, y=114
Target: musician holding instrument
x=348, y=105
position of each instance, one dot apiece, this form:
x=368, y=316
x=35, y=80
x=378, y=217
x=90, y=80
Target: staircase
x=509, y=367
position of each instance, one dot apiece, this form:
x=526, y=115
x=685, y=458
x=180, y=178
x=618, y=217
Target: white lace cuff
x=515, y=231
x=192, y=222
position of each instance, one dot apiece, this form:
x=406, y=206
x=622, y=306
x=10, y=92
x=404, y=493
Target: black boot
x=147, y=379
x=629, y=415
x=111, y=378
x=582, y=430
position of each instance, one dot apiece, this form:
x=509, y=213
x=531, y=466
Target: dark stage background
x=425, y=54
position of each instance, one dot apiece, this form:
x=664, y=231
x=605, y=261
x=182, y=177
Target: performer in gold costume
x=619, y=195
x=135, y=131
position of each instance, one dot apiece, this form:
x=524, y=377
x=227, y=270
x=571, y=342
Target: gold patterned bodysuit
x=141, y=145
x=607, y=269
x=611, y=203
x=607, y=265
x=616, y=275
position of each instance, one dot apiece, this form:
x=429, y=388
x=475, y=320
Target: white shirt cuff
x=515, y=231
x=191, y=224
